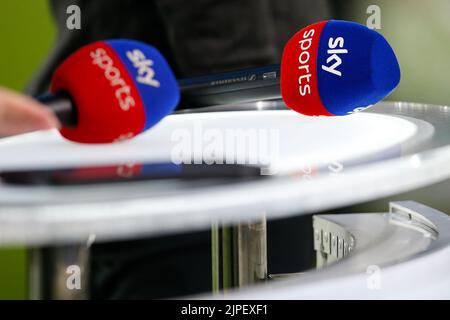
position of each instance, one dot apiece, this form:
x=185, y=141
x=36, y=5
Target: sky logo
x=335, y=48
x=146, y=73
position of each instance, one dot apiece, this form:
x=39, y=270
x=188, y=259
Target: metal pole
x=60, y=273
x=239, y=255
x=251, y=245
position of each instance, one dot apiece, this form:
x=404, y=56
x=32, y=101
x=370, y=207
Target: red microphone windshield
x=119, y=89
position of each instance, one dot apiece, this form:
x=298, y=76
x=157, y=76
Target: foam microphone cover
x=120, y=88
x=336, y=68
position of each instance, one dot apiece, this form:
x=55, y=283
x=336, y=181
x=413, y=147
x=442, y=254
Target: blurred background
x=27, y=32
x=419, y=32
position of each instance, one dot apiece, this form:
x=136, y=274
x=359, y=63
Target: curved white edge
x=58, y=223
x=426, y=277
x=399, y=263
x=283, y=197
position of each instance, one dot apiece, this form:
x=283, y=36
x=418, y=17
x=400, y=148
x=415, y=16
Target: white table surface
x=394, y=148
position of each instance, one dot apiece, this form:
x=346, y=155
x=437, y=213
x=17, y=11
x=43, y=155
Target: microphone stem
x=62, y=107
x=233, y=87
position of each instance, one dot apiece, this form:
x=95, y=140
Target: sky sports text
x=335, y=48
x=146, y=74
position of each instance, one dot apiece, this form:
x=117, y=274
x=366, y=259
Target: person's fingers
x=20, y=114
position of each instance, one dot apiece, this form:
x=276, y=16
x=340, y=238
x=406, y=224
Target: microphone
x=111, y=90
x=329, y=68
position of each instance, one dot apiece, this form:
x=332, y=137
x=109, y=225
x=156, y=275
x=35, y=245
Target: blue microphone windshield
x=356, y=67
x=152, y=78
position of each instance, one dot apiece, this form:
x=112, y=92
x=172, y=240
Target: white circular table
x=313, y=164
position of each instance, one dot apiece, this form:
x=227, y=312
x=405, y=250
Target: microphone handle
x=62, y=106
x=234, y=87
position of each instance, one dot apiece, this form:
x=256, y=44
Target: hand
x=20, y=114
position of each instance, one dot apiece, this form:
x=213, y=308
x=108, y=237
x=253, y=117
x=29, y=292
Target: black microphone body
x=239, y=86
x=62, y=106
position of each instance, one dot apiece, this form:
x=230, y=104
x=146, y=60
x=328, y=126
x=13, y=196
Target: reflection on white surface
x=286, y=139
x=415, y=161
